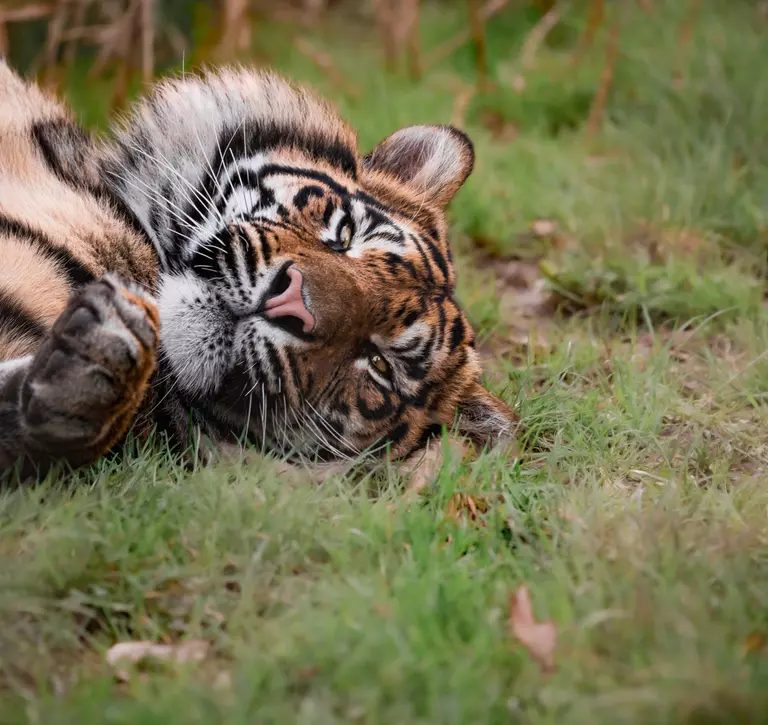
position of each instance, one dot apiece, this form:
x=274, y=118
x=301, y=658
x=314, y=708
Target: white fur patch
x=191, y=321
x=8, y=367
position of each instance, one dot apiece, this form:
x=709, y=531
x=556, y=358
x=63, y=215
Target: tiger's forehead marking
x=262, y=188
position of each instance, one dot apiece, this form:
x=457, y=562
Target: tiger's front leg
x=76, y=396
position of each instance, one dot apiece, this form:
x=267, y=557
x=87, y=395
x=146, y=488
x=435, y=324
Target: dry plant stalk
x=477, y=27
x=123, y=32
x=325, y=63
x=312, y=10
x=538, y=35
x=464, y=94
x=385, y=21
x=686, y=33
x=235, y=35
x=533, y=42
x=413, y=42
x=594, y=21
x=146, y=31
x=70, y=42
x=21, y=14
x=398, y=23
x=489, y=10
x=606, y=79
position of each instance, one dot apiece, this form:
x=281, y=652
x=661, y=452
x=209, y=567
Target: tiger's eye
x=381, y=365
x=345, y=236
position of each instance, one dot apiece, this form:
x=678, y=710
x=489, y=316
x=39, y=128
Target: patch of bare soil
x=526, y=304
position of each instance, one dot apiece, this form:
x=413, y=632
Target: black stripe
x=67, y=151
x=266, y=249
x=328, y=213
x=274, y=360
x=303, y=195
x=398, y=434
x=250, y=255
x=420, y=399
x=279, y=170
x=377, y=412
x=77, y=273
x=425, y=259
x=417, y=213
x=15, y=319
x=440, y=260
x=373, y=201
x=433, y=431
x=293, y=366
x=252, y=137
x=457, y=332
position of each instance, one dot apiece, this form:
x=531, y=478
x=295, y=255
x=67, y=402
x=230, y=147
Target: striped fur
x=305, y=292
x=59, y=234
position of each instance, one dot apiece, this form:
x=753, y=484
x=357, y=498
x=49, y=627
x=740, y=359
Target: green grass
x=636, y=513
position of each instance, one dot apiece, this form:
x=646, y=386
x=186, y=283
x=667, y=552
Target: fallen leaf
x=538, y=638
x=464, y=507
x=193, y=650
x=755, y=642
x=543, y=227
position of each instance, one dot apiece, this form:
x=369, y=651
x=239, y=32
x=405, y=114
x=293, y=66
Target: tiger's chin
x=197, y=335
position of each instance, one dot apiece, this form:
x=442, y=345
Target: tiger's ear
x=432, y=160
x=486, y=419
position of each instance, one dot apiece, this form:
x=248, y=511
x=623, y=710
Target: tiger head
x=306, y=293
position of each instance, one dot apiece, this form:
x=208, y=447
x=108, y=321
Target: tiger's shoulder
x=58, y=230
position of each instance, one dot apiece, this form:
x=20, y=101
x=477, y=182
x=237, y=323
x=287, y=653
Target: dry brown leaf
x=464, y=507
x=544, y=227
x=193, y=650
x=538, y=638
x=754, y=643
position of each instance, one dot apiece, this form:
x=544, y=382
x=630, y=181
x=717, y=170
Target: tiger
x=226, y=263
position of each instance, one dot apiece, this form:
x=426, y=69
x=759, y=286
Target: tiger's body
x=305, y=295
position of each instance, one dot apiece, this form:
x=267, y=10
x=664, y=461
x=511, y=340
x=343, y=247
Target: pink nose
x=291, y=302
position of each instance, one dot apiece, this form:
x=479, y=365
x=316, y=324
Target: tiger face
x=306, y=294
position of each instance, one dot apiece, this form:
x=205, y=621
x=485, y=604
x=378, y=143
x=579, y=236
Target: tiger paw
x=89, y=377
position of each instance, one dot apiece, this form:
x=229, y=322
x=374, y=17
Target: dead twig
x=594, y=21
x=146, y=30
x=385, y=20
x=606, y=79
x=536, y=37
x=450, y=46
x=26, y=12
x=684, y=40
x=235, y=25
x=413, y=39
x=398, y=24
x=477, y=28
x=56, y=27
x=324, y=62
x=460, y=105
x=69, y=42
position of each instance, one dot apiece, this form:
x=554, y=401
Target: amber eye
x=345, y=236
x=381, y=365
